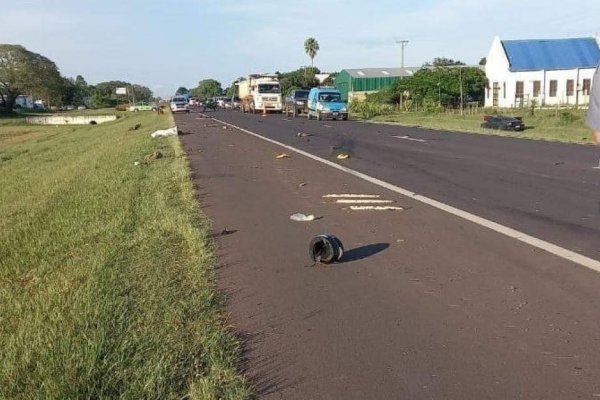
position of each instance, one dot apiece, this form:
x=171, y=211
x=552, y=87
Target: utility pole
x=403, y=44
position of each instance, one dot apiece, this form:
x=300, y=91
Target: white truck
x=260, y=93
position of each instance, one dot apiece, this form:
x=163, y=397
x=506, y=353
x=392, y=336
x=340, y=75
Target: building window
x=570, y=87
x=553, y=87
x=504, y=90
x=587, y=83
x=519, y=89
x=537, y=85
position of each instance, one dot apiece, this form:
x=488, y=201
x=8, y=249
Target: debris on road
x=226, y=232
x=303, y=134
x=343, y=156
x=281, y=156
x=165, y=132
x=154, y=156
x=325, y=249
x=302, y=184
x=211, y=125
x=137, y=163
x=302, y=217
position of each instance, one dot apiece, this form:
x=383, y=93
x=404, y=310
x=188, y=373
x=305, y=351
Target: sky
x=171, y=43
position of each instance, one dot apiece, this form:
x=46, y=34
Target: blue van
x=326, y=102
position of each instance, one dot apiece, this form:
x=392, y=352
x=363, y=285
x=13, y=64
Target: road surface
x=425, y=305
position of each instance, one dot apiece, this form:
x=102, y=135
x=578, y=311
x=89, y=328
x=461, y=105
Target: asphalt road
x=548, y=190
x=425, y=305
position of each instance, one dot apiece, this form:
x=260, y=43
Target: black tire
x=345, y=118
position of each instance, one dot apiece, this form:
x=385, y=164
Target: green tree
x=208, y=88
x=26, y=72
x=181, y=90
x=311, y=47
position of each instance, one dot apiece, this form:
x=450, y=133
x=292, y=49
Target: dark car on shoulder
x=503, y=122
x=296, y=103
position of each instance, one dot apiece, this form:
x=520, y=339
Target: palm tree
x=311, y=46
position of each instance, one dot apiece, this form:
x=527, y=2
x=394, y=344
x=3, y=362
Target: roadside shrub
x=566, y=117
x=368, y=109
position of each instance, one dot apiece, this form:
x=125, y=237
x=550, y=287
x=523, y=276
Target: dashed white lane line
x=375, y=208
x=409, y=138
x=504, y=230
x=357, y=196
x=361, y=201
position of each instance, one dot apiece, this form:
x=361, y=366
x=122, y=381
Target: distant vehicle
x=296, y=103
x=326, y=102
x=81, y=107
x=70, y=107
x=260, y=92
x=142, y=106
x=235, y=102
x=502, y=122
x=179, y=104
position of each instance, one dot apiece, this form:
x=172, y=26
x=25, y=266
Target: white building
x=543, y=72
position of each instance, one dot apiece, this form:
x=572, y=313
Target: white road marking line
x=499, y=228
x=358, y=196
x=375, y=208
x=355, y=201
x=409, y=138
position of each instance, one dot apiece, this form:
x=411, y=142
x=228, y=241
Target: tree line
x=23, y=72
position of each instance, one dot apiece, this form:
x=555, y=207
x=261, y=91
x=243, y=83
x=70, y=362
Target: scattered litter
x=559, y=163
x=135, y=127
x=325, y=249
x=303, y=134
x=302, y=184
x=281, y=156
x=211, y=125
x=226, y=232
x=154, y=156
x=302, y=218
x=165, y=132
x=136, y=163
x=327, y=126
x=224, y=126
x=375, y=208
x=363, y=196
x=361, y=201
x=343, y=156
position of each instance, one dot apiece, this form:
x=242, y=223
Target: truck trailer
x=260, y=93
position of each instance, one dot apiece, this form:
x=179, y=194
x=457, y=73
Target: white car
x=179, y=104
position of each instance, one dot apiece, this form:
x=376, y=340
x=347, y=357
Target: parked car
x=326, y=102
x=142, y=106
x=81, y=107
x=503, y=122
x=179, y=104
x=296, y=103
x=235, y=103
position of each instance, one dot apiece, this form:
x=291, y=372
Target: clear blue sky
x=171, y=43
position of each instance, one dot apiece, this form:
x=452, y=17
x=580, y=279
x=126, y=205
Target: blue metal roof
x=527, y=55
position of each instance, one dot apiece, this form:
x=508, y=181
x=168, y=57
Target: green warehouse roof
x=381, y=72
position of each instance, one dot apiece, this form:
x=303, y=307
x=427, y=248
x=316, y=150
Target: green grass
x=107, y=280
x=564, y=125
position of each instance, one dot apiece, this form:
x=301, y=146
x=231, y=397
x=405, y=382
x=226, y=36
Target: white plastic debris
x=301, y=217
x=136, y=163
x=165, y=132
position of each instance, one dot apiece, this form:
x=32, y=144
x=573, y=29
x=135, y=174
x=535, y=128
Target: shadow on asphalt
x=363, y=252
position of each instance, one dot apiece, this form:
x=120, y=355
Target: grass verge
x=107, y=283
x=562, y=126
